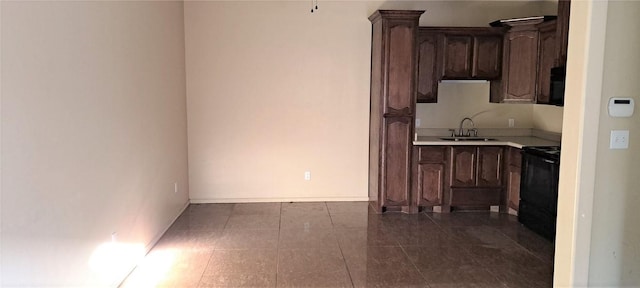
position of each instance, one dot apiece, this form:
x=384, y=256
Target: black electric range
x=538, y=207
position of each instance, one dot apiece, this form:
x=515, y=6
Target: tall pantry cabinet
x=393, y=108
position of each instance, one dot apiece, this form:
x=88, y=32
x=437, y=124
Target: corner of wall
x=547, y=118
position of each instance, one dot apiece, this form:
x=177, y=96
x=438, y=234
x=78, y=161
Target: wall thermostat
x=621, y=107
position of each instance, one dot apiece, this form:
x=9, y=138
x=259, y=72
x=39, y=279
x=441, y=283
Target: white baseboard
x=292, y=199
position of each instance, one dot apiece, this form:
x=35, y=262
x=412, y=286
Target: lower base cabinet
x=429, y=181
x=457, y=177
x=514, y=172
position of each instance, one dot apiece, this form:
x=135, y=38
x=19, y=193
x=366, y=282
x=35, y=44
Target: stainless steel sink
x=468, y=139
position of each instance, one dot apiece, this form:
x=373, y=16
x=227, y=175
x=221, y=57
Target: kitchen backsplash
x=459, y=100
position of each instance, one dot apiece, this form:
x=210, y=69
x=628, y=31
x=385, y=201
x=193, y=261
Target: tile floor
x=343, y=244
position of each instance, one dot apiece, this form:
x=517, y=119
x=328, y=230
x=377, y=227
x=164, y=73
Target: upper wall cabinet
x=456, y=53
x=471, y=53
x=487, y=51
x=546, y=60
x=562, y=31
x=521, y=64
x=428, y=75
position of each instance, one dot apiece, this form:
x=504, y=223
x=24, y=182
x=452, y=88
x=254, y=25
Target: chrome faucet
x=461, y=131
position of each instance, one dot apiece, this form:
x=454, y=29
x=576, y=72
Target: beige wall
x=598, y=235
x=579, y=142
x=274, y=91
x=547, y=118
x=94, y=136
x=615, y=240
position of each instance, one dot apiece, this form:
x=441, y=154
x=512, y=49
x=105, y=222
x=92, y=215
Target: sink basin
x=467, y=139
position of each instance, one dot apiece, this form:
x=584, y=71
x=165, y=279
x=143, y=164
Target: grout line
x=330, y=216
x=278, y=246
x=426, y=281
x=205, y=268
x=228, y=217
x=344, y=259
x=525, y=248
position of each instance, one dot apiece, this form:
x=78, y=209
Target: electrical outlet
x=512, y=122
x=307, y=175
x=175, y=187
x=417, y=122
x=619, y=139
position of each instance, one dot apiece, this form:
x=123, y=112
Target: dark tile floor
x=343, y=244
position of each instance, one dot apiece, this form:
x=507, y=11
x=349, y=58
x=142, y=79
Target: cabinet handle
x=473, y=166
x=498, y=170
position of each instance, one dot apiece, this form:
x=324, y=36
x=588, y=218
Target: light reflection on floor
x=343, y=244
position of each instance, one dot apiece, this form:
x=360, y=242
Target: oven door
x=539, y=194
x=539, y=182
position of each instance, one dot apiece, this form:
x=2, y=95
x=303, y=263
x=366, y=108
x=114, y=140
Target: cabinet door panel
x=513, y=187
x=401, y=66
x=515, y=157
x=397, y=161
x=562, y=31
x=457, y=57
x=427, y=67
x=432, y=154
x=487, y=57
x=489, y=166
x=521, y=64
x=546, y=61
x=430, y=183
x=463, y=166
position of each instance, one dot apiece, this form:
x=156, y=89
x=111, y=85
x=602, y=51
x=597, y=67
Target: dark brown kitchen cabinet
x=487, y=63
x=520, y=66
x=429, y=183
x=393, y=98
x=471, y=53
x=476, y=166
x=562, y=32
x=546, y=60
x=457, y=56
x=428, y=75
x=514, y=167
x=396, y=187
x=489, y=166
x=456, y=53
x=475, y=177
x=463, y=166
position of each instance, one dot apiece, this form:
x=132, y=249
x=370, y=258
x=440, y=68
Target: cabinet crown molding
x=395, y=14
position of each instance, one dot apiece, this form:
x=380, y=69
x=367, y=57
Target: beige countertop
x=513, y=141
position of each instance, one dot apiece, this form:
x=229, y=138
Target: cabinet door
x=489, y=166
x=546, y=60
x=401, y=42
x=457, y=57
x=430, y=174
x=397, y=161
x=463, y=166
x=513, y=187
x=430, y=183
x=562, y=31
x=521, y=66
x=427, y=67
x=487, y=57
